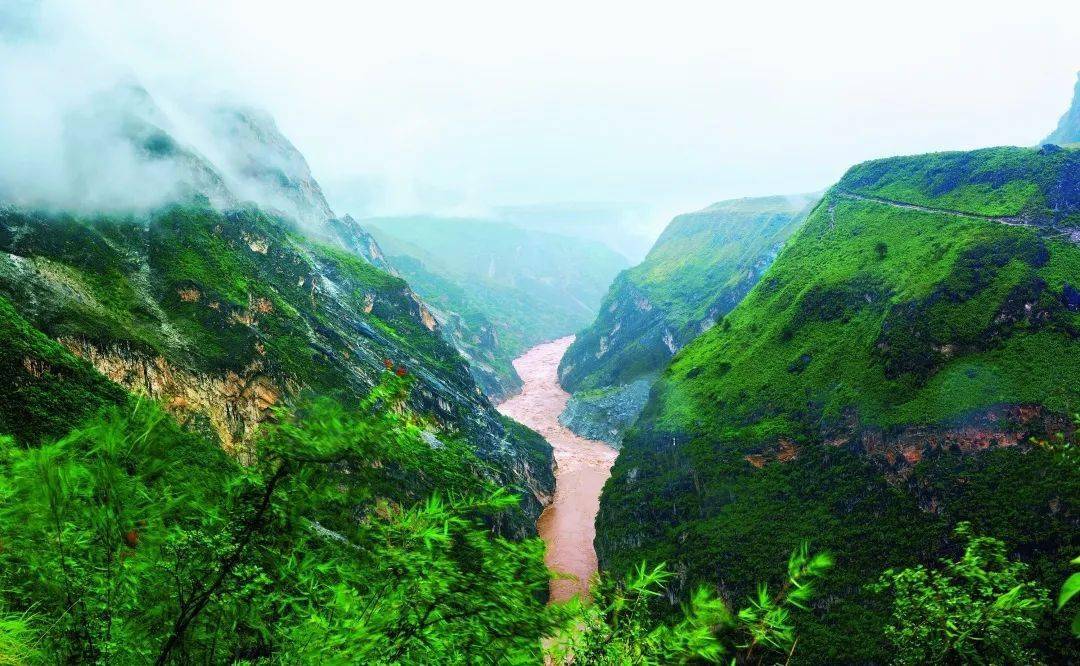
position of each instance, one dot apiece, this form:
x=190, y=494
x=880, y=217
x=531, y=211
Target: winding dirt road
x=568, y=525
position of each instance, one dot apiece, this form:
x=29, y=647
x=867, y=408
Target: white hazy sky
x=672, y=104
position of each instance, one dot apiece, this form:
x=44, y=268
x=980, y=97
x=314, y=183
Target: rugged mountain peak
x=1068, y=128
x=123, y=148
x=266, y=165
x=126, y=149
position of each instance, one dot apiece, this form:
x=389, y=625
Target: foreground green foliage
x=1069, y=590
x=1067, y=454
x=350, y=537
x=875, y=399
x=618, y=627
x=980, y=609
x=17, y=642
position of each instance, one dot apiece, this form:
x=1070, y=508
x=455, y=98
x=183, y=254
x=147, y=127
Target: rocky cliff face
x=1068, y=129
x=221, y=316
x=265, y=165
x=879, y=384
x=698, y=270
x=605, y=414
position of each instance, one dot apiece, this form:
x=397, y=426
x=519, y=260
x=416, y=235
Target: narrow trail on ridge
x=1069, y=234
x=568, y=524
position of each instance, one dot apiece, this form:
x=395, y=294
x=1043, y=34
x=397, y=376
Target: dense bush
x=133, y=541
x=980, y=609
x=618, y=626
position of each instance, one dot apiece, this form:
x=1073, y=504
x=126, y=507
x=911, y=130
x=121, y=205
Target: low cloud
x=469, y=106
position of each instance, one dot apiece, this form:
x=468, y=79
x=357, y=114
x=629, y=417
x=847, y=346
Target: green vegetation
x=1066, y=452
x=874, y=399
x=619, y=628
x=348, y=538
x=502, y=289
x=980, y=609
x=1069, y=590
x=45, y=387
x=698, y=270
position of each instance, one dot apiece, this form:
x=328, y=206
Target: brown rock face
x=234, y=404
x=897, y=451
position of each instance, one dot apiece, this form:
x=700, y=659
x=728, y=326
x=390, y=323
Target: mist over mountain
x=672, y=116
x=1068, y=128
x=122, y=150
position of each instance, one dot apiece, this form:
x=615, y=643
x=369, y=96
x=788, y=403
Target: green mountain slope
x=878, y=385
x=1068, y=129
x=698, y=270
x=497, y=288
x=222, y=316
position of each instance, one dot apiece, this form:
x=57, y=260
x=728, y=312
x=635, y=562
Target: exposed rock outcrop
x=222, y=316
x=606, y=414
x=233, y=403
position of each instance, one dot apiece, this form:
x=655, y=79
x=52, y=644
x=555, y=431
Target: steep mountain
x=1068, y=128
x=498, y=288
x=465, y=323
x=123, y=148
x=225, y=155
x=878, y=385
x=698, y=270
x=222, y=316
x=265, y=165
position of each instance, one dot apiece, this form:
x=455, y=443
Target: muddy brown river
x=568, y=525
